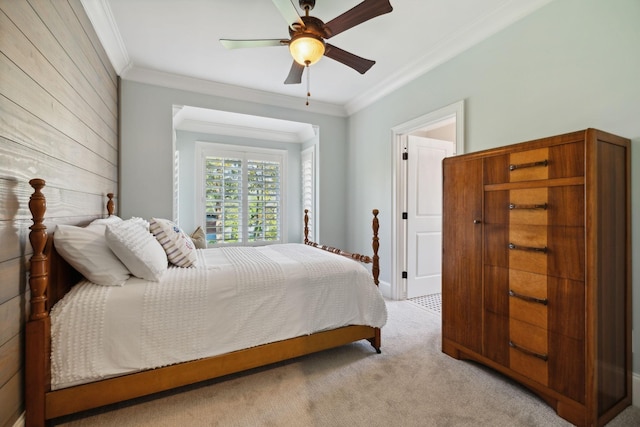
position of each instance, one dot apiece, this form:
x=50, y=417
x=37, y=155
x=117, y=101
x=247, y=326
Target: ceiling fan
x=308, y=34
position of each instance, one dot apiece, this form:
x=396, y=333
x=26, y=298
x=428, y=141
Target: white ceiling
x=176, y=43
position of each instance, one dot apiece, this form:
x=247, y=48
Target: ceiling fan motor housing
x=313, y=26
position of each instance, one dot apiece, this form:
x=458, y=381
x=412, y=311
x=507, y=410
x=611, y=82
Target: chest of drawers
x=537, y=270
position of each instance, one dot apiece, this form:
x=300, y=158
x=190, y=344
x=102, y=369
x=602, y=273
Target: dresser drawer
x=529, y=165
x=563, y=313
x=528, y=350
x=528, y=301
x=552, y=250
x=529, y=206
x=528, y=248
x=557, y=161
x=555, y=205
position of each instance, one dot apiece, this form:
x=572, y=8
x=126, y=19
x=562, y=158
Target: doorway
x=418, y=149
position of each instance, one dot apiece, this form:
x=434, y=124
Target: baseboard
x=20, y=422
x=385, y=288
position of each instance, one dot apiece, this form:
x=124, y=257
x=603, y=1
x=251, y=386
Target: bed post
x=376, y=341
x=38, y=328
x=306, y=226
x=375, y=269
x=109, y=204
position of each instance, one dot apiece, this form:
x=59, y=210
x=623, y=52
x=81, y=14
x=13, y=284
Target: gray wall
x=185, y=143
x=146, y=153
x=571, y=65
x=59, y=122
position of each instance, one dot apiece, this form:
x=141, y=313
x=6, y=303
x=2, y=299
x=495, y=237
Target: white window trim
x=204, y=149
x=311, y=154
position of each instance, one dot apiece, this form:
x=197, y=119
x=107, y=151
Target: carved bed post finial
x=306, y=225
x=110, y=204
x=375, y=270
x=38, y=276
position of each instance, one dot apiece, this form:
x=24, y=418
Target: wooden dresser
x=536, y=278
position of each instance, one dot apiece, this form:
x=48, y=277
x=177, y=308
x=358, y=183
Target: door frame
x=400, y=132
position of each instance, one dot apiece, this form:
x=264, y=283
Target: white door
x=424, y=214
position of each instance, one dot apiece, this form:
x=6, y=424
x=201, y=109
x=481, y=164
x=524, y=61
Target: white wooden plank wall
x=59, y=122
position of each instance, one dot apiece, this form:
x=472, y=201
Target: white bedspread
x=236, y=298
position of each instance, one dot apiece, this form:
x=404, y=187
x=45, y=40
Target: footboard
x=375, y=260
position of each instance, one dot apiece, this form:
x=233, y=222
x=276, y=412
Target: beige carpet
x=412, y=383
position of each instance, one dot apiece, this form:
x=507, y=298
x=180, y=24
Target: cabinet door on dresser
x=462, y=246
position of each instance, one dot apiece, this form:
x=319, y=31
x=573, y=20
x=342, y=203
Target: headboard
x=51, y=277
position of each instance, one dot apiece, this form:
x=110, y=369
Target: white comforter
x=236, y=298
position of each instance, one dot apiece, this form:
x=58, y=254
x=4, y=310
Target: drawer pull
x=544, y=163
x=543, y=206
x=544, y=357
x=542, y=301
x=528, y=248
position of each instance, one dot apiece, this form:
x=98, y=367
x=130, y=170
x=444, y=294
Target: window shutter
x=263, y=182
x=308, y=188
x=223, y=200
x=243, y=196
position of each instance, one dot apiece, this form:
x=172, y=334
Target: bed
x=90, y=345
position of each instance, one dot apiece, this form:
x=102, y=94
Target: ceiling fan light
x=306, y=49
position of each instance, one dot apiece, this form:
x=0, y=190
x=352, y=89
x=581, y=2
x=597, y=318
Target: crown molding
x=101, y=17
x=483, y=27
x=207, y=87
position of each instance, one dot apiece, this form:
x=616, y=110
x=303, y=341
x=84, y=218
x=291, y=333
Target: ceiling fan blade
x=236, y=44
x=366, y=10
x=359, y=64
x=289, y=13
x=295, y=74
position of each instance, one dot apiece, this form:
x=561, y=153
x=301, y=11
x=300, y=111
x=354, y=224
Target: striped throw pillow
x=176, y=243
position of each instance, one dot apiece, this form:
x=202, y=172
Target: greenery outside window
x=242, y=197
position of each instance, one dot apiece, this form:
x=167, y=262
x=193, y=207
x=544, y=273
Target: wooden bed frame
x=51, y=278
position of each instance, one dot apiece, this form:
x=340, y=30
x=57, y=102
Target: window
x=242, y=194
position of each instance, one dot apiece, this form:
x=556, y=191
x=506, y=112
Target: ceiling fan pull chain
x=308, y=82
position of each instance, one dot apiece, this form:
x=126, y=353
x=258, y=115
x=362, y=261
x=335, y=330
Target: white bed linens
x=236, y=298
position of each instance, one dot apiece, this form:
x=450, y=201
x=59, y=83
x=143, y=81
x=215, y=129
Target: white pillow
x=112, y=219
x=137, y=249
x=140, y=221
x=86, y=250
x=176, y=243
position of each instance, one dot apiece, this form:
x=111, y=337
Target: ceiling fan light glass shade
x=306, y=49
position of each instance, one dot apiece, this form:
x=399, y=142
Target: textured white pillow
x=86, y=250
x=176, y=243
x=140, y=221
x=137, y=249
x=112, y=219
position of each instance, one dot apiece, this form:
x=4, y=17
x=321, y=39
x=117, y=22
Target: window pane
x=223, y=200
x=263, y=200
